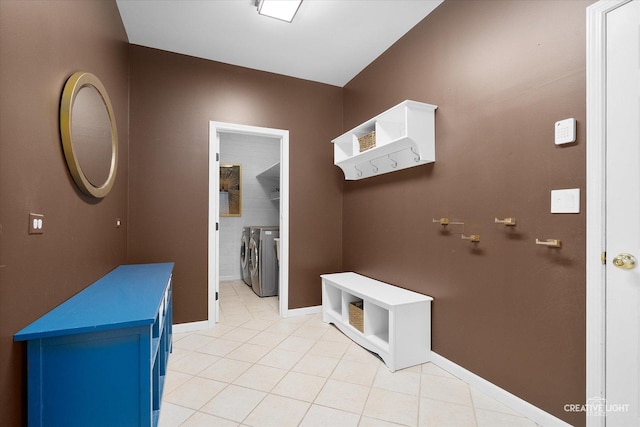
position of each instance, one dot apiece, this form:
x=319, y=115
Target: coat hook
x=442, y=221
x=359, y=172
x=506, y=221
x=475, y=238
x=552, y=243
x=375, y=168
x=394, y=164
x=417, y=157
x=445, y=221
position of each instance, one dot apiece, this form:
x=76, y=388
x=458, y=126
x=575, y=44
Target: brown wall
x=173, y=98
x=41, y=44
x=501, y=74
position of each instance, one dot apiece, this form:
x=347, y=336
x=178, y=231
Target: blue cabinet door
x=91, y=379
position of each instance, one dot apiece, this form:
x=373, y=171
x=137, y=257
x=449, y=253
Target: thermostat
x=565, y=131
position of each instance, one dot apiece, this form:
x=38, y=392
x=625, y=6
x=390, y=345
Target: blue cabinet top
x=130, y=295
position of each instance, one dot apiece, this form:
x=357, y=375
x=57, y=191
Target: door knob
x=625, y=261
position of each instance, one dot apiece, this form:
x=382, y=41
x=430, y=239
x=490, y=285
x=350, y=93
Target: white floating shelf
x=405, y=137
x=271, y=176
x=272, y=172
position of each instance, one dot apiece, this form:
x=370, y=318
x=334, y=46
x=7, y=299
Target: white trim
x=519, y=405
x=596, y=178
x=230, y=278
x=304, y=311
x=179, y=328
x=213, y=238
x=215, y=128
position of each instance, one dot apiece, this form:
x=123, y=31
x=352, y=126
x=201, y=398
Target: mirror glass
x=89, y=135
x=230, y=190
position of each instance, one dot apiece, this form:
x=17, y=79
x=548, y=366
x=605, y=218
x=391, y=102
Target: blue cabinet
x=100, y=358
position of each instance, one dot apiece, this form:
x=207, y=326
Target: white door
x=622, y=354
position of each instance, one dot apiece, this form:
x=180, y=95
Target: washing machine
x=263, y=264
x=244, y=255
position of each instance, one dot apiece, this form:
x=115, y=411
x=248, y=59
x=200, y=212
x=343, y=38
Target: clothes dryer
x=263, y=264
x=244, y=255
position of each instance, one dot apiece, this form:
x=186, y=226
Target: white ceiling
x=329, y=41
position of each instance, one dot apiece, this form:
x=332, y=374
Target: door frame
x=213, y=258
x=596, y=201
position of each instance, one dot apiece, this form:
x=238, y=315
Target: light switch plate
x=565, y=201
x=565, y=131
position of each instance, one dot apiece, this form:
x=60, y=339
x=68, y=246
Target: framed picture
x=230, y=190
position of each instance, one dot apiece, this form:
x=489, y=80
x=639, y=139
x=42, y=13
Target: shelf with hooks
x=404, y=137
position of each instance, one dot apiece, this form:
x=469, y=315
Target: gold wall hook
x=552, y=243
x=441, y=221
x=506, y=221
x=474, y=238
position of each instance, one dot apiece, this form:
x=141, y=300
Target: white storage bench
x=397, y=322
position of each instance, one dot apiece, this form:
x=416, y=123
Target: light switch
x=565, y=131
x=565, y=201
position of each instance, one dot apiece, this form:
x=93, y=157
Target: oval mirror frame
x=76, y=82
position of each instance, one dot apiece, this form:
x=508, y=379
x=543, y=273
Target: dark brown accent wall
x=41, y=44
x=502, y=73
x=173, y=98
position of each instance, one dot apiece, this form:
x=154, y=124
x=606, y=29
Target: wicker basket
x=356, y=318
x=367, y=141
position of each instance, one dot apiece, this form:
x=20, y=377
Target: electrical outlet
x=36, y=223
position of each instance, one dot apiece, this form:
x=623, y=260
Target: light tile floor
x=255, y=369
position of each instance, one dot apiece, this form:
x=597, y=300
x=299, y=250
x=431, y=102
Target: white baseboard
x=523, y=407
x=179, y=328
x=303, y=311
x=230, y=278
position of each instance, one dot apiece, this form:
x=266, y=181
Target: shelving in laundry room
x=270, y=178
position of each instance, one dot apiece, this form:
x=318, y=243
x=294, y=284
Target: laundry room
x=249, y=221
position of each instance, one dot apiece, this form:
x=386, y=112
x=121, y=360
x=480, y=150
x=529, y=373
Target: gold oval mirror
x=89, y=135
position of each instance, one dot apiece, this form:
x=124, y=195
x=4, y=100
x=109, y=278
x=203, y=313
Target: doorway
x=613, y=213
x=216, y=130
